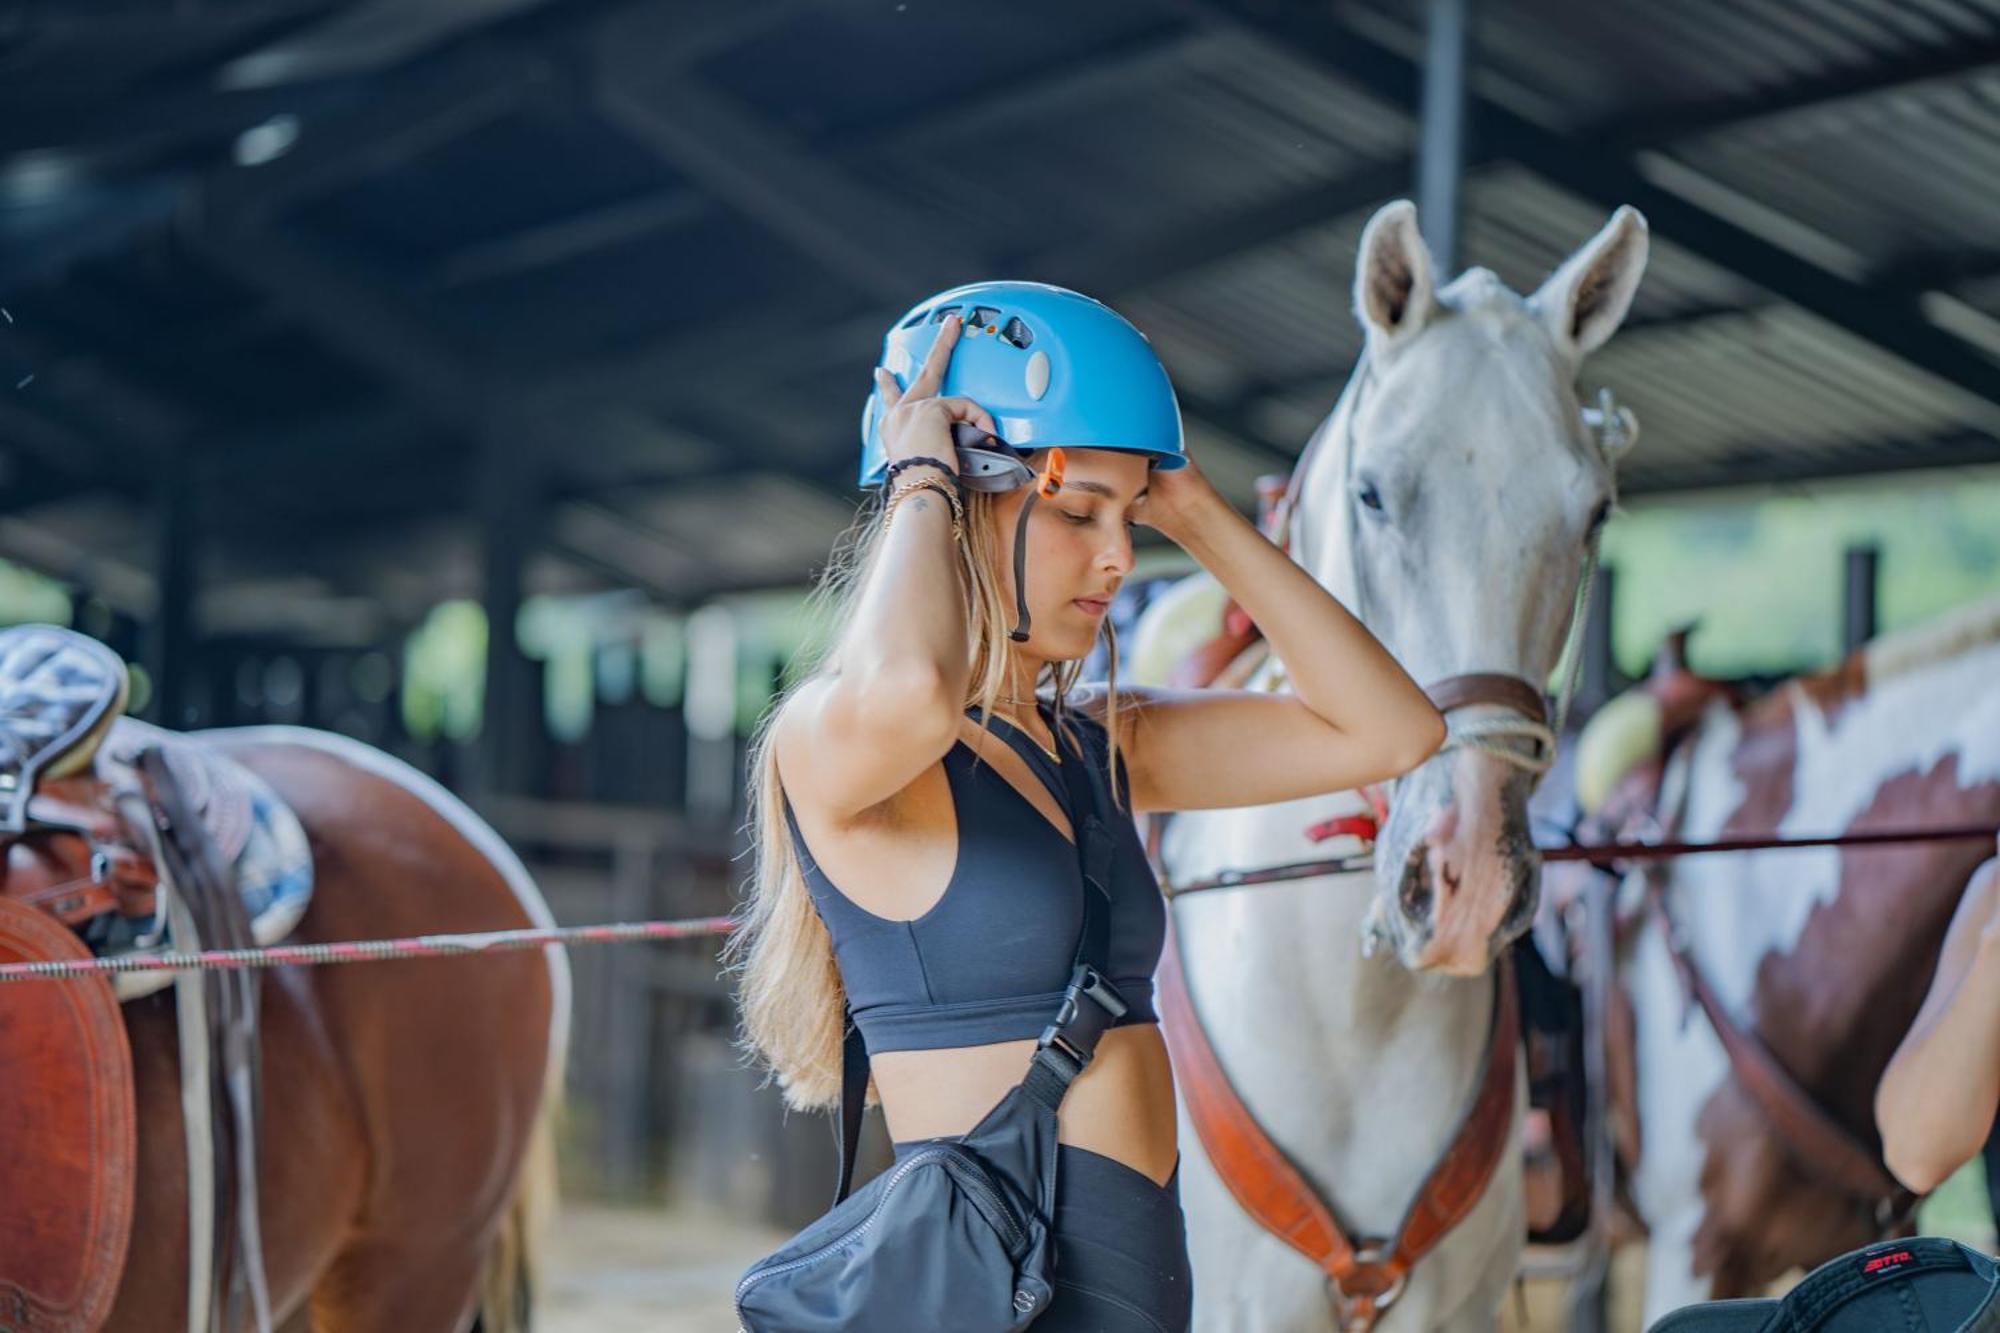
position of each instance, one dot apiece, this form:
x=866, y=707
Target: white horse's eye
x=1368, y=495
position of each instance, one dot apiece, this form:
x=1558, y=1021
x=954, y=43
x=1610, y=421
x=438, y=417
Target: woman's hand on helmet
x=1177, y=500
x=916, y=422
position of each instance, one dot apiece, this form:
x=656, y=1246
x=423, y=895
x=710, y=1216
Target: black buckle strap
x=1077, y=1026
x=1067, y=1045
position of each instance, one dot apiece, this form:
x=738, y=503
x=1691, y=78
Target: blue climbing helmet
x=1053, y=367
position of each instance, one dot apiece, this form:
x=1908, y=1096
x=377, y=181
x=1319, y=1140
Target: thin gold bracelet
x=932, y=484
x=909, y=488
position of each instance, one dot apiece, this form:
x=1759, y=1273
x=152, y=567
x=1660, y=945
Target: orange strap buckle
x=1051, y=479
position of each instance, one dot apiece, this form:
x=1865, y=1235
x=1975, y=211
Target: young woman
x=914, y=857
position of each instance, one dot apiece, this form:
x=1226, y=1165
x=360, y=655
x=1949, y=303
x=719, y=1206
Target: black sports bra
x=989, y=960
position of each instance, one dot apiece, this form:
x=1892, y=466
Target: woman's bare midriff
x=1122, y=1106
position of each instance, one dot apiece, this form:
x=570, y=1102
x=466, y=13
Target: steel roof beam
x=1610, y=178
x=1668, y=125
x=810, y=203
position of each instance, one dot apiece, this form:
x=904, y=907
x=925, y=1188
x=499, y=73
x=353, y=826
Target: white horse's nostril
x=1443, y=869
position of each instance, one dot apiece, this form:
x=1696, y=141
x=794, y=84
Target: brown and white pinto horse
x=400, y=1100
x=1822, y=955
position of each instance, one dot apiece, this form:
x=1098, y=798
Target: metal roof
x=335, y=255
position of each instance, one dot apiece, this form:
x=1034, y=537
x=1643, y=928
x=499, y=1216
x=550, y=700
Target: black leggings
x=1121, y=1249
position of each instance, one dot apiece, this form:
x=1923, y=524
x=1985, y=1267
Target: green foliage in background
x=1763, y=573
x=444, y=672
x=601, y=646
x=30, y=598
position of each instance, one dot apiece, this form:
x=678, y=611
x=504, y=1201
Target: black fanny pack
x=958, y=1233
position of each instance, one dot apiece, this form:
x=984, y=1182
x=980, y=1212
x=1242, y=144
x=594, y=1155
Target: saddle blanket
x=272, y=866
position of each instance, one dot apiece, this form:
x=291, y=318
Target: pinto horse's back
x=1823, y=955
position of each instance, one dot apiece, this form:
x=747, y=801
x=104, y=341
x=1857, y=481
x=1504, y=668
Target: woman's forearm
x=909, y=621
x=1336, y=667
x=1938, y=1095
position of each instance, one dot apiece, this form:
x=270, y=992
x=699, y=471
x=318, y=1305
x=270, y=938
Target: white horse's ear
x=1394, y=292
x=1585, y=300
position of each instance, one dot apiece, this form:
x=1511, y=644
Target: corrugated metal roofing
x=682, y=317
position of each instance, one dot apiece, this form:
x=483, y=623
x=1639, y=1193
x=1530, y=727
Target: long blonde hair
x=789, y=993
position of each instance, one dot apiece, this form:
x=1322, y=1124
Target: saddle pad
x=1623, y=734
x=255, y=833
x=1174, y=624
x=67, y=1139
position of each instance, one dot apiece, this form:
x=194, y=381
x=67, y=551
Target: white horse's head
x=1453, y=505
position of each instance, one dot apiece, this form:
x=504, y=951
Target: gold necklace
x=1054, y=756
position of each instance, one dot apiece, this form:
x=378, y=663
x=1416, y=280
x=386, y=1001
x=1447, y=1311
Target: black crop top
x=989, y=960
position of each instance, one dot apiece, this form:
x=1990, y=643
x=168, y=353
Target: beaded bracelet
x=921, y=460
x=909, y=488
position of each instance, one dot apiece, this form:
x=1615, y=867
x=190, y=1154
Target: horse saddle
x=1621, y=754
x=69, y=763
x=60, y=692
x=120, y=838
x=68, y=1144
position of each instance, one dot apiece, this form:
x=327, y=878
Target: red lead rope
x=1365, y=827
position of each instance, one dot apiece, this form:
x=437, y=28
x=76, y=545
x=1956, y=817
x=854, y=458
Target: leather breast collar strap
x=1366, y=1275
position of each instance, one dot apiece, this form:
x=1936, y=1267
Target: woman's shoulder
x=1091, y=707
x=1087, y=709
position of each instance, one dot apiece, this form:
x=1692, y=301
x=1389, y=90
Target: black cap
x=1925, y=1284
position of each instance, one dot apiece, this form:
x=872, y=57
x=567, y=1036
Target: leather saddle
x=118, y=837
x=69, y=765
x=68, y=1144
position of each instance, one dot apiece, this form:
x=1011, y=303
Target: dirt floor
x=637, y=1270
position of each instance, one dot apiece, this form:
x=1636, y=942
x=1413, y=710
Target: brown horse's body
x=1823, y=955
x=399, y=1099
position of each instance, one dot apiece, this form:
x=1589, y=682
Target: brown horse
x=400, y=1100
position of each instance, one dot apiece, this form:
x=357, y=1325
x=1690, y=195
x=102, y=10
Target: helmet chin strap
x=986, y=463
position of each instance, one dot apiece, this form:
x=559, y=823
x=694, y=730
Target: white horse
x=1452, y=499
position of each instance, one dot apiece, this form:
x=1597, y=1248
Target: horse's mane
x=1957, y=631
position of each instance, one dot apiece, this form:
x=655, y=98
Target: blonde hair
x=789, y=994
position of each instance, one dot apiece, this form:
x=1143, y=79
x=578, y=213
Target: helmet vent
x=1038, y=375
